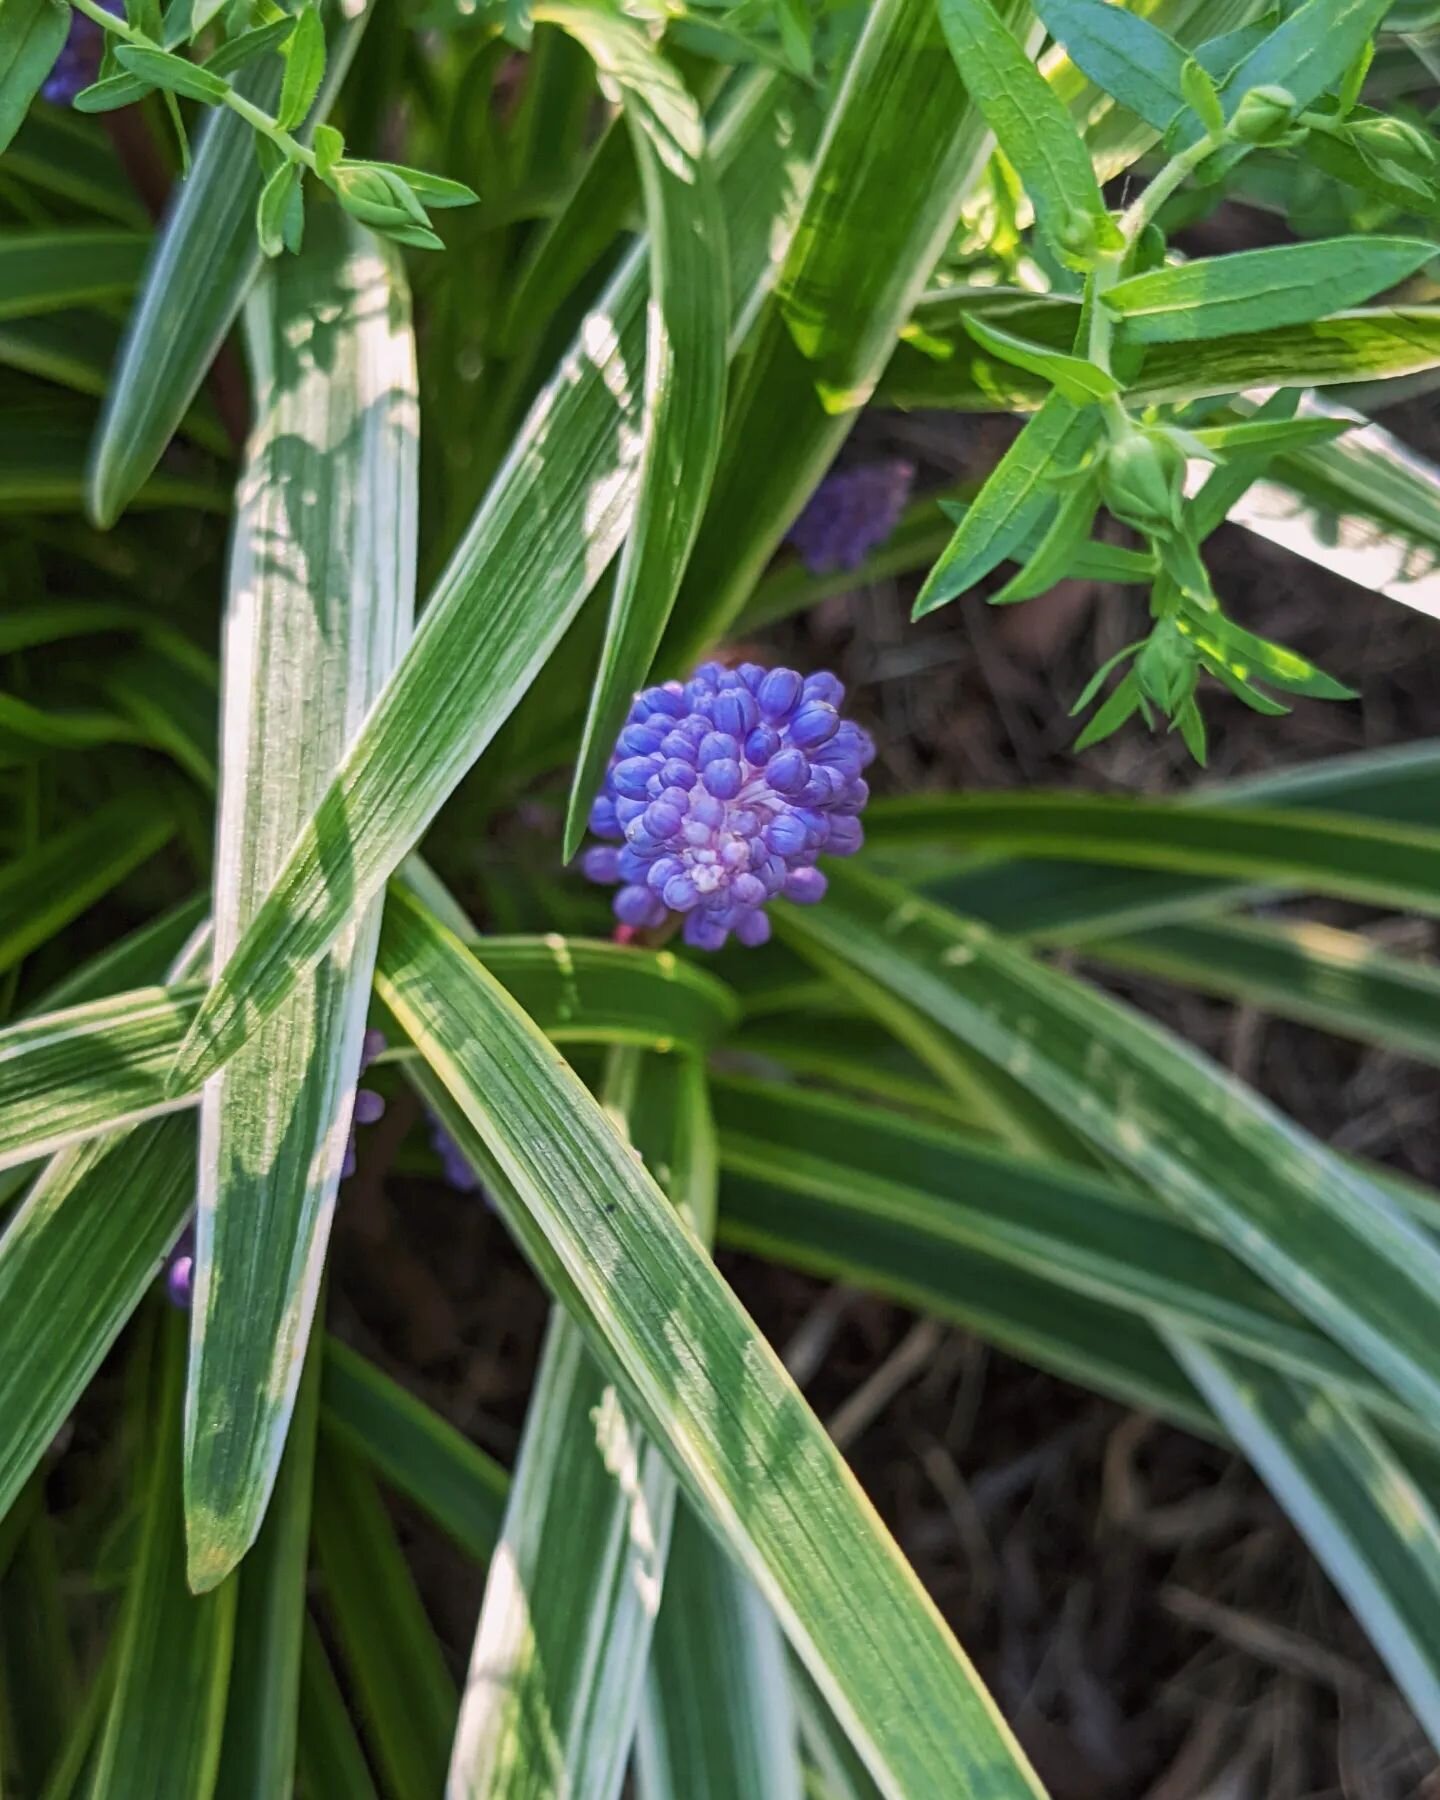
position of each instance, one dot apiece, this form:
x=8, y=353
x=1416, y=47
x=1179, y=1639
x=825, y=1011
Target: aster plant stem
x=254, y=116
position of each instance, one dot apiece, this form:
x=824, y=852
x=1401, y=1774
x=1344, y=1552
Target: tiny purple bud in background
x=368, y=1106
x=78, y=63
x=851, y=513
x=453, y=1166
x=180, y=1270
x=753, y=775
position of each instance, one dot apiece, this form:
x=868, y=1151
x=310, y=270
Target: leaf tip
x=213, y=1550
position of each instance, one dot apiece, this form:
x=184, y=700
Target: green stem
x=1110, y=267
x=293, y=149
x=253, y=116
x=1177, y=171
x=108, y=22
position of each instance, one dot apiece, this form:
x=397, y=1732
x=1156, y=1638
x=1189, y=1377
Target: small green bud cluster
x=1142, y=481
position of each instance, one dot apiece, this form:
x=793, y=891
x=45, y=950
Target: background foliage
x=389, y=394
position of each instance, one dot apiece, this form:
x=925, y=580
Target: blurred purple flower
x=369, y=1106
x=721, y=794
x=78, y=63
x=851, y=513
x=453, y=1166
x=180, y=1269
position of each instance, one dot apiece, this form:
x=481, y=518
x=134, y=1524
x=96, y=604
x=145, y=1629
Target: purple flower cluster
x=851, y=513
x=723, y=791
x=78, y=63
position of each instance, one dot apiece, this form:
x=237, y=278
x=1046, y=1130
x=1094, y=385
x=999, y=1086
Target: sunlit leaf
x=608, y=1243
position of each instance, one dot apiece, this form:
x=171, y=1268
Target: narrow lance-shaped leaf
x=322, y=577
x=685, y=355
x=1370, y=1525
x=719, y=1719
x=1315, y=1228
x=1032, y=127
x=1255, y=290
x=558, y=1666
x=1013, y=502
x=1309, y=52
x=848, y=282
x=1338, y=980
x=66, y=1075
x=32, y=33
x=262, y=1711
x=202, y=264
x=74, y=1262
x=400, y=1686
x=1128, y=56
x=750, y=1453
x=45, y=888
x=1351, y=858
x=163, y=1731
x=545, y=533
x=415, y=1451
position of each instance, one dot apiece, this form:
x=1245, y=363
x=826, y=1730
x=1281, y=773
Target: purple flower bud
x=639, y=907
x=78, y=63
x=679, y=773
x=680, y=893
x=846, y=837
x=723, y=778
x=822, y=685
x=625, y=812
x=602, y=819
x=736, y=712
x=667, y=699
x=369, y=1107
x=785, y=835
x=632, y=775
x=180, y=1269
x=601, y=863
x=788, y=772
x=662, y=820
x=663, y=869
x=815, y=723
x=761, y=745
x=456, y=1170
x=779, y=692
x=640, y=740
x=805, y=886
x=371, y=1046
x=753, y=929
x=718, y=746
x=703, y=932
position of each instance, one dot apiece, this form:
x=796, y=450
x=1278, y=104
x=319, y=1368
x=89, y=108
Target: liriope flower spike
x=851, y=513
x=722, y=794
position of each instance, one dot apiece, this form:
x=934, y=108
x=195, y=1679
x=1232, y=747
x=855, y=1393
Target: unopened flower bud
x=1264, y=115
x=1143, y=481
x=1166, y=668
x=1397, y=140
x=376, y=197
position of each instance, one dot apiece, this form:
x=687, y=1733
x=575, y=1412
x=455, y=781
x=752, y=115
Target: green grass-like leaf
x=608, y=1243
